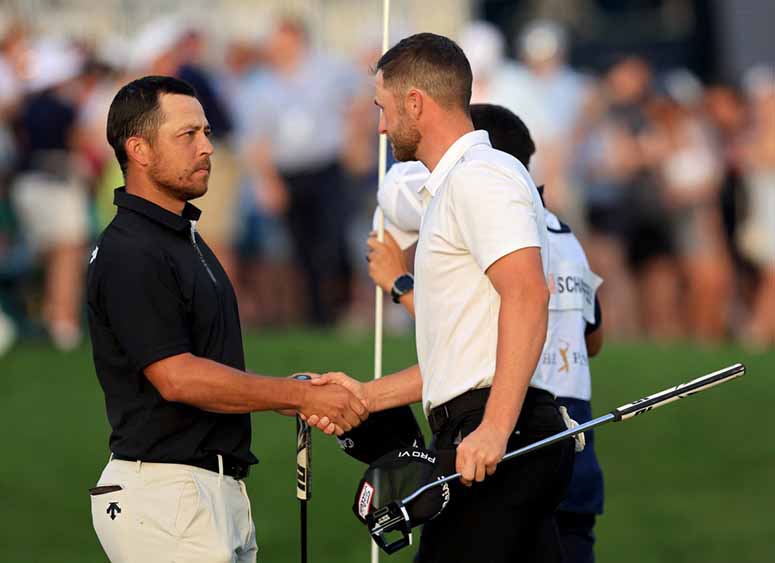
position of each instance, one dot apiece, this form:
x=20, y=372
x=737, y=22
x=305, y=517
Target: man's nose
x=206, y=146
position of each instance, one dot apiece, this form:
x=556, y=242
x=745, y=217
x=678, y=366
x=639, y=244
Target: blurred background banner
x=654, y=122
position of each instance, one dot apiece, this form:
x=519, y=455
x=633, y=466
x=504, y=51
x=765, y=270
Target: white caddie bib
x=563, y=369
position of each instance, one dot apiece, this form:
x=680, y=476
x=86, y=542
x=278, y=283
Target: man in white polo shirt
x=574, y=327
x=481, y=303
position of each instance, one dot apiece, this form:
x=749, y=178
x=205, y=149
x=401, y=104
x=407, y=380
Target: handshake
x=334, y=403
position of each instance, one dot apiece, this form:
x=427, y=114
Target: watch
x=403, y=285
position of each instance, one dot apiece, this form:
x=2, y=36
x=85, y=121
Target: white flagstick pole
x=382, y=166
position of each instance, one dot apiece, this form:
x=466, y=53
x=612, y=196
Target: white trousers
x=163, y=512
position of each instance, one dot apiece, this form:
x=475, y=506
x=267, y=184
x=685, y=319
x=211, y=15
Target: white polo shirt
x=479, y=205
x=563, y=369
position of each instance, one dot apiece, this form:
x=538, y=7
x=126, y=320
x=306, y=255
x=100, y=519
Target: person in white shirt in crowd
x=575, y=329
x=496, y=78
x=481, y=303
x=550, y=97
x=296, y=149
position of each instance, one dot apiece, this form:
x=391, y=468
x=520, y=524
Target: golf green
x=690, y=482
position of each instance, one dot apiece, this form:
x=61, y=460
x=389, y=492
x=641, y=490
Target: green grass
x=690, y=482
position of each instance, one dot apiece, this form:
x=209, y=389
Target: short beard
x=179, y=187
x=405, y=141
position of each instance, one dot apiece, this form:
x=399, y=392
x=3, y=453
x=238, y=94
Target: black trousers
x=510, y=516
x=317, y=222
x=577, y=536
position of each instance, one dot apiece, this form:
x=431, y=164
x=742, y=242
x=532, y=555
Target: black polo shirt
x=156, y=290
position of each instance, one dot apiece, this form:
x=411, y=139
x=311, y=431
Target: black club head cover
x=381, y=433
x=398, y=474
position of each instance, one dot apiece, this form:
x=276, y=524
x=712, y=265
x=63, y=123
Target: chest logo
x=94, y=254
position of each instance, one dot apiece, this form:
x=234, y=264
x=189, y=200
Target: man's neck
x=441, y=135
x=145, y=188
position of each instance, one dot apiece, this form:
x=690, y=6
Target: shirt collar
x=140, y=205
x=452, y=156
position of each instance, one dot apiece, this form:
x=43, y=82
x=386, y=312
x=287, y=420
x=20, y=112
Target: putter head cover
x=381, y=433
x=393, y=477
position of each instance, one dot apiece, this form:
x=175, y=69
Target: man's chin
x=196, y=191
x=188, y=193
x=404, y=155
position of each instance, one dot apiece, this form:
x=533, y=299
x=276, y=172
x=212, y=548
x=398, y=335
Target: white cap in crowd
x=155, y=39
x=52, y=62
x=483, y=44
x=542, y=40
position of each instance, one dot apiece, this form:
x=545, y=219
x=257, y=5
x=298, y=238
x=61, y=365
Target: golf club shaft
x=622, y=413
x=303, y=519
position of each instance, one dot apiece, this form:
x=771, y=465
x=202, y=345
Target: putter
x=303, y=472
x=394, y=517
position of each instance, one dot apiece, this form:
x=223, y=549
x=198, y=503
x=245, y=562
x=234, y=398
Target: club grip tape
x=678, y=392
x=303, y=456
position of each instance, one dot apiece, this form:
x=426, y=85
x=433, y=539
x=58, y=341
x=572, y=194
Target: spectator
x=690, y=168
x=757, y=232
x=496, y=79
x=268, y=288
x=48, y=194
x=727, y=112
x=611, y=162
x=550, y=96
x=300, y=126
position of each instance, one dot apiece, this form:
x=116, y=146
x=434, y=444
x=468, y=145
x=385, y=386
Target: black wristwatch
x=403, y=285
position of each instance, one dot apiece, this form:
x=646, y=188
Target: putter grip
x=678, y=392
x=303, y=457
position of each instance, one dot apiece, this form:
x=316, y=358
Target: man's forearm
x=401, y=388
x=214, y=387
x=521, y=335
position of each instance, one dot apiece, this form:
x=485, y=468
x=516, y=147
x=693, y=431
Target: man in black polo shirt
x=168, y=351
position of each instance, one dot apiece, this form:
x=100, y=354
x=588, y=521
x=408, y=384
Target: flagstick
x=382, y=165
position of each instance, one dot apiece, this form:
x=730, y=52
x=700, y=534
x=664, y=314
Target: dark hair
x=432, y=63
x=508, y=133
x=135, y=111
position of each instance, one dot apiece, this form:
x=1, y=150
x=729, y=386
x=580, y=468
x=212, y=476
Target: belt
x=471, y=401
x=231, y=467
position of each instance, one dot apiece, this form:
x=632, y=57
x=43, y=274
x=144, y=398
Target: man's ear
x=413, y=103
x=138, y=150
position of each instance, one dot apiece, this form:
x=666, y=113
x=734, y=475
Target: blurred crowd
x=669, y=182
